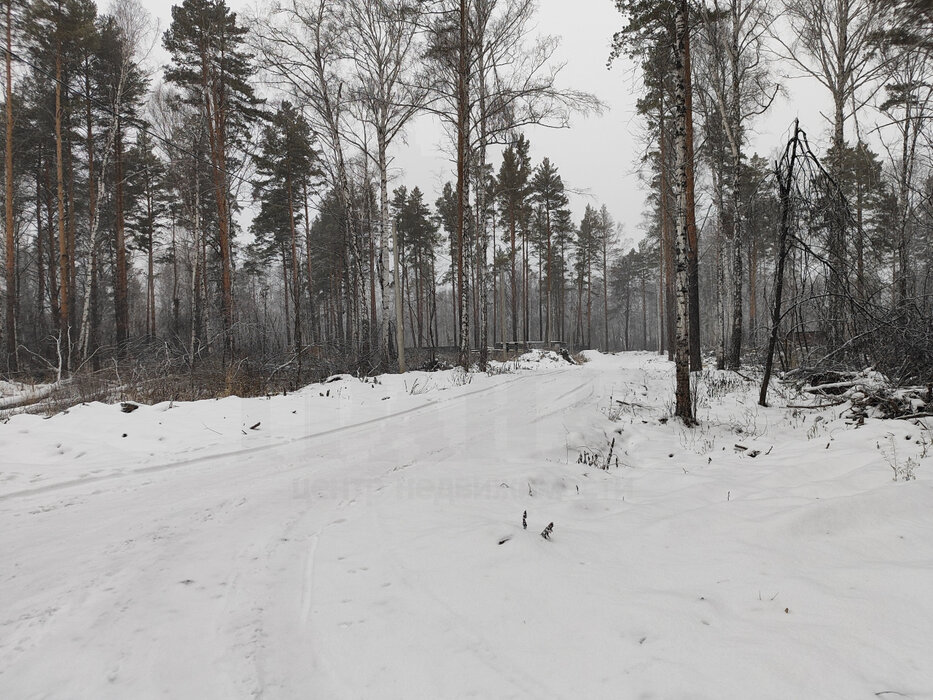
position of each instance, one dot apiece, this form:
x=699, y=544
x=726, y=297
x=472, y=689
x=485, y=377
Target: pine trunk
x=308, y=266
x=63, y=262
x=296, y=277
x=547, y=271
x=837, y=227
x=150, y=252
x=399, y=296
x=735, y=344
x=606, y=291
x=121, y=307
x=514, y=299
x=463, y=130
x=216, y=122
x=12, y=363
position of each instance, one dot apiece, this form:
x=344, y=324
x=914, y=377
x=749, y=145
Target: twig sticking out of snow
x=546, y=533
x=525, y=520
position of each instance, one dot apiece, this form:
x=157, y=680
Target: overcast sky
x=598, y=157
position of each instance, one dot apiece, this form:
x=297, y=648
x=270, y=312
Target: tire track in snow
x=555, y=406
x=277, y=590
x=155, y=468
x=307, y=582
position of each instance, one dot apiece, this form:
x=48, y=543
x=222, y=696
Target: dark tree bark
x=735, y=108
x=463, y=133
x=12, y=363
x=696, y=357
x=63, y=259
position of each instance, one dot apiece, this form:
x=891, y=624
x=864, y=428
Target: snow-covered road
x=372, y=547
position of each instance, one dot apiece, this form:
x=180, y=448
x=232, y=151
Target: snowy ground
x=364, y=540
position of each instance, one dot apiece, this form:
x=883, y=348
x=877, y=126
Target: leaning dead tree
x=810, y=202
x=784, y=173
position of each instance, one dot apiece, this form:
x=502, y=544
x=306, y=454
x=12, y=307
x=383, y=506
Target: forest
x=525, y=349
x=231, y=221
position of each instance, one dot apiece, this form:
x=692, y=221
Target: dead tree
x=784, y=173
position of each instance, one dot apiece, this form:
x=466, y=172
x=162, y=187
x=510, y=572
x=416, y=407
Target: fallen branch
x=823, y=388
x=821, y=405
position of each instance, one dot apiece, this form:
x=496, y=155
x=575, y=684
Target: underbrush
x=156, y=373
x=150, y=373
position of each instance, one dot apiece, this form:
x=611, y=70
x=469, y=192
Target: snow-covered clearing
x=365, y=540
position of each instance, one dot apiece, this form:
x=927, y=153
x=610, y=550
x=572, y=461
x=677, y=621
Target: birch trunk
x=684, y=404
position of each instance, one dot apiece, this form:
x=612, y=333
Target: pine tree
x=147, y=205
x=513, y=194
x=213, y=69
x=56, y=30
x=121, y=87
x=587, y=250
x=548, y=190
x=874, y=208
x=446, y=207
x=286, y=164
x=418, y=240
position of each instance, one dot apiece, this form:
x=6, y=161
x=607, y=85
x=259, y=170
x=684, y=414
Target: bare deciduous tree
x=381, y=38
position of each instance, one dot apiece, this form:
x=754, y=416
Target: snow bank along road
x=365, y=541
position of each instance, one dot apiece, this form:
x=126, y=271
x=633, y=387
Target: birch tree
x=301, y=44
x=684, y=404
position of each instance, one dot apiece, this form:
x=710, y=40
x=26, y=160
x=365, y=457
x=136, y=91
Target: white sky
x=598, y=156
